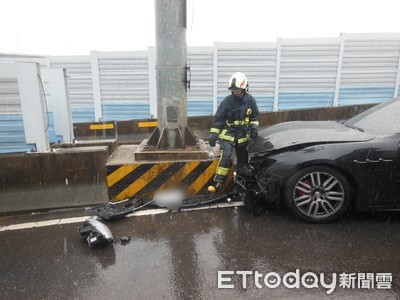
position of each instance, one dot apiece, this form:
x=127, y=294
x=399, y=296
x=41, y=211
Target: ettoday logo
x=308, y=280
x=272, y=280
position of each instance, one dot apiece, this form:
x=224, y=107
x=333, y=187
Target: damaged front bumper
x=94, y=232
x=257, y=188
x=112, y=211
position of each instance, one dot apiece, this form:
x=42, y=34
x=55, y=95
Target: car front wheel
x=318, y=194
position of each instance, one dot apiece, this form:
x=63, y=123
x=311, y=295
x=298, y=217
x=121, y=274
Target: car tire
x=317, y=194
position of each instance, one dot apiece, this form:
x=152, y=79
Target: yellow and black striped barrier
x=142, y=180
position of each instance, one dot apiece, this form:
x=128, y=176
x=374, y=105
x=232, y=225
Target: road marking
x=72, y=220
x=46, y=223
x=147, y=212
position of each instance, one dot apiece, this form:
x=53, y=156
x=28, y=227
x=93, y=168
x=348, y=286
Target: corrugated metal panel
x=12, y=132
x=257, y=61
x=82, y=114
x=308, y=69
x=80, y=85
x=12, y=135
x=200, y=94
x=369, y=70
x=9, y=96
x=117, y=112
x=308, y=73
x=124, y=84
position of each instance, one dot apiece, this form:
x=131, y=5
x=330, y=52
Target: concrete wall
x=129, y=132
x=76, y=176
x=66, y=178
x=110, y=143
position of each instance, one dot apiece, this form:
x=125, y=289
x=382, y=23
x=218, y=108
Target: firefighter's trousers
x=225, y=161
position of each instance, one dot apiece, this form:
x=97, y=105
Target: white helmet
x=238, y=81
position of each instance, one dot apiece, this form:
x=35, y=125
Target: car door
x=382, y=167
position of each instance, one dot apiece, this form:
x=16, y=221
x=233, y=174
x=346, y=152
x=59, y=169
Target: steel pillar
x=171, y=77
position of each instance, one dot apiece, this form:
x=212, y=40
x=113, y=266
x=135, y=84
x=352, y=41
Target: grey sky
x=60, y=27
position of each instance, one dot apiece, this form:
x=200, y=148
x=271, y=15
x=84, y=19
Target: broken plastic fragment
x=95, y=232
x=125, y=239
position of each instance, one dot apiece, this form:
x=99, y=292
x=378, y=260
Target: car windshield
x=382, y=119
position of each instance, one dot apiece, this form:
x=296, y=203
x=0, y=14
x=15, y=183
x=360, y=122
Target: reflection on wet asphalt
x=177, y=256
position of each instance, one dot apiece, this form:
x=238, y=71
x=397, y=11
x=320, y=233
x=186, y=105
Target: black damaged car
x=321, y=168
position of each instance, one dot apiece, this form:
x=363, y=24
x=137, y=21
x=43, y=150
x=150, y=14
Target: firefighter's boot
x=215, y=188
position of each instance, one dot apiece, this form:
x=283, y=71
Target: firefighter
x=235, y=123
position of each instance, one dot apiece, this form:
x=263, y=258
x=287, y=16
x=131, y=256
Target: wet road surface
x=178, y=256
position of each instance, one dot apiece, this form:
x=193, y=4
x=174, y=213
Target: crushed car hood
x=296, y=133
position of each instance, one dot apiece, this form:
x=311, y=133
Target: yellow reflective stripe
x=219, y=161
x=223, y=135
x=242, y=140
x=216, y=130
x=147, y=124
x=237, y=123
x=101, y=126
x=198, y=184
x=227, y=138
x=222, y=171
x=144, y=180
x=120, y=173
x=254, y=123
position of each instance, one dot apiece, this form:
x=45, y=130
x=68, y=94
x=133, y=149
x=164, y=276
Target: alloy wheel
x=318, y=195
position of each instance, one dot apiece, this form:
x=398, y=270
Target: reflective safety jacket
x=235, y=117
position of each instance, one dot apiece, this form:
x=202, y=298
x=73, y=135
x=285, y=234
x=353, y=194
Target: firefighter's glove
x=253, y=133
x=213, y=139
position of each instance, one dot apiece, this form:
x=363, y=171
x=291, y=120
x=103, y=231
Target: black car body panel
x=369, y=165
x=303, y=132
x=368, y=159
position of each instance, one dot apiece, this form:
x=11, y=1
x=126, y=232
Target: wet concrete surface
x=178, y=256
